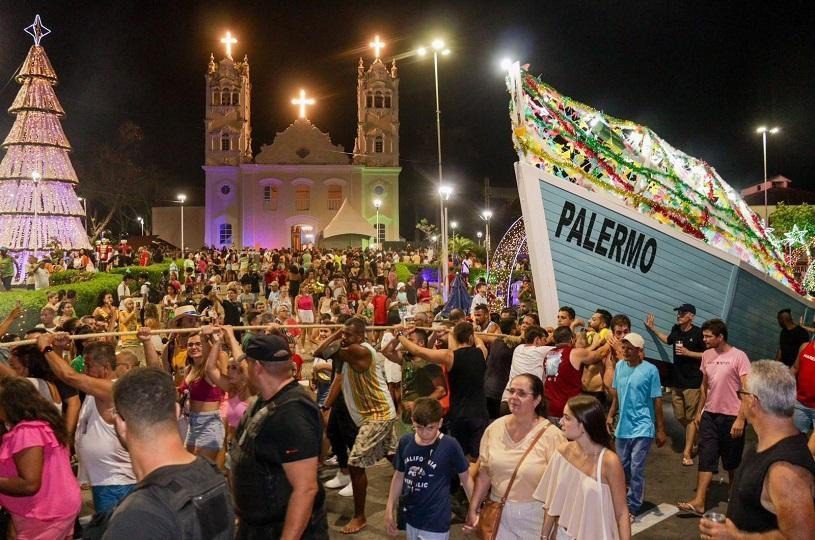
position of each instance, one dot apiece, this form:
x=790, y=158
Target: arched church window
x=225, y=95
x=270, y=197
x=226, y=142
x=379, y=144
x=301, y=198
x=216, y=96
x=235, y=97
x=369, y=99
x=388, y=100
x=334, y=196
x=225, y=234
x=379, y=100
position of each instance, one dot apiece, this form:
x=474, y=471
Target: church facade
x=301, y=189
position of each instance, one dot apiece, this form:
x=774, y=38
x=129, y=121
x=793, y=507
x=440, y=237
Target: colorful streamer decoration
x=584, y=146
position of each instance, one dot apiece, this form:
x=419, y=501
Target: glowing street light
x=377, y=204
x=181, y=198
x=141, y=223
x=479, y=234
x=35, y=176
x=763, y=130
x=439, y=47
x=486, y=215
x=506, y=63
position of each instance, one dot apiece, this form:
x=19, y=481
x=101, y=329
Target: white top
x=527, y=359
x=102, y=456
x=45, y=391
x=582, y=503
x=393, y=371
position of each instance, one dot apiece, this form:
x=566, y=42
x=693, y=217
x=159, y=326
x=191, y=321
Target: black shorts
x=468, y=432
x=715, y=442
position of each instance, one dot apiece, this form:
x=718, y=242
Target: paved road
x=667, y=481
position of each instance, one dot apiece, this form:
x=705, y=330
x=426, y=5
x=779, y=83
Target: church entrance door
x=296, y=238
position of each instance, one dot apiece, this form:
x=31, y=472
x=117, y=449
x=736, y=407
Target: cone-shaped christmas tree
x=38, y=205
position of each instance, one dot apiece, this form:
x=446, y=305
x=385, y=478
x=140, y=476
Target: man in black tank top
x=774, y=489
x=465, y=363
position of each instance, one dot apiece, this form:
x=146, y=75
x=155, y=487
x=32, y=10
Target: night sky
x=702, y=77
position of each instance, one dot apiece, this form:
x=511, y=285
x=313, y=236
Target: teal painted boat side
x=591, y=271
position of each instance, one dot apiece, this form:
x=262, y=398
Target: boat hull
x=589, y=251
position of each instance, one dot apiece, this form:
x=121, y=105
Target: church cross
x=302, y=102
x=228, y=40
x=377, y=46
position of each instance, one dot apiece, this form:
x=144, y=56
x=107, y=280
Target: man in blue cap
x=688, y=346
x=274, y=459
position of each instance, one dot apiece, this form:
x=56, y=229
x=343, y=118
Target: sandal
x=688, y=508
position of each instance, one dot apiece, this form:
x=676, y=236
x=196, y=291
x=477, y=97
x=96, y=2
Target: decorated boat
x=617, y=218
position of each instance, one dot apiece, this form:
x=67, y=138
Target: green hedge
x=154, y=271
x=87, y=293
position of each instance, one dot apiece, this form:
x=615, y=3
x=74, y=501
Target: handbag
x=489, y=518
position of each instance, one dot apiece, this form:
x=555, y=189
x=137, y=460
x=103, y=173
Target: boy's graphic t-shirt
x=426, y=487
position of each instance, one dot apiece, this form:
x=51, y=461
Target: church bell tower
x=377, y=141
x=228, y=127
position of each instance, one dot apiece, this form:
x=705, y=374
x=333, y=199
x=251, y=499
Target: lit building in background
x=302, y=188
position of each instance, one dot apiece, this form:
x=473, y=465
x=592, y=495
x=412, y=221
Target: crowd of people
x=192, y=426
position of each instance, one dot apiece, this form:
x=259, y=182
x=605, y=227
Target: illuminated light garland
x=503, y=260
x=34, y=215
x=577, y=143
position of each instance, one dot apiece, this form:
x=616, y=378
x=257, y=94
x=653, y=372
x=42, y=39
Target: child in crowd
x=425, y=463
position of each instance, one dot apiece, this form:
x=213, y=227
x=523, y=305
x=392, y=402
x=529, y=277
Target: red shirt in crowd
x=380, y=302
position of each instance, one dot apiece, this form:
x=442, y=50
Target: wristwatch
x=47, y=349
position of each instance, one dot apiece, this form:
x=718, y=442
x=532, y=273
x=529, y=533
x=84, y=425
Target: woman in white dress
x=583, y=488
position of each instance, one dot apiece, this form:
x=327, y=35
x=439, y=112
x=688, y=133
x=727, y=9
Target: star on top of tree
x=37, y=30
x=796, y=236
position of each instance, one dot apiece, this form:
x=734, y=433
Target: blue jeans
x=107, y=497
x=632, y=453
x=804, y=417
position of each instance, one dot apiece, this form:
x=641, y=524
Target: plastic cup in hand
x=714, y=516
x=677, y=345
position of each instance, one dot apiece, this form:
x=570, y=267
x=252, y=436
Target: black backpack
x=202, y=506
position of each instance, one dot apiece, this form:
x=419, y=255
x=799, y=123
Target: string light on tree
x=303, y=102
x=795, y=237
x=38, y=204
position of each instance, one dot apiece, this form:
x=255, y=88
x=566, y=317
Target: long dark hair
x=537, y=391
x=21, y=401
x=588, y=411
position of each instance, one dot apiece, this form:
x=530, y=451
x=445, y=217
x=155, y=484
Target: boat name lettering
x=613, y=241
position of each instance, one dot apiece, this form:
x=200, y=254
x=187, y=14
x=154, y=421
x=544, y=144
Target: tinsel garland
x=575, y=152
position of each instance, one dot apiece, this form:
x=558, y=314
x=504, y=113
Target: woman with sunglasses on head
x=583, y=489
x=523, y=441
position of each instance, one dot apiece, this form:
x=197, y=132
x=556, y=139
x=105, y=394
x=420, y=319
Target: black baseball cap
x=686, y=308
x=268, y=348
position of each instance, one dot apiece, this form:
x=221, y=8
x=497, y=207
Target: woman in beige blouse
x=502, y=446
x=583, y=490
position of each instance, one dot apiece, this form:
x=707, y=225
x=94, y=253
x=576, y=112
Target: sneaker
x=339, y=481
x=347, y=491
x=331, y=462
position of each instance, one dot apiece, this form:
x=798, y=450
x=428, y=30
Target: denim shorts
x=206, y=430
x=107, y=497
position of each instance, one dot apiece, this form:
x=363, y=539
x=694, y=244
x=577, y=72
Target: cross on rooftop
x=377, y=46
x=228, y=40
x=303, y=102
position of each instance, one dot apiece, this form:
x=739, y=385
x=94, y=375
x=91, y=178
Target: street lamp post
x=85, y=211
x=141, y=223
x=479, y=234
x=181, y=199
x=763, y=130
x=444, y=196
x=35, y=176
x=377, y=204
x=438, y=47
x=486, y=215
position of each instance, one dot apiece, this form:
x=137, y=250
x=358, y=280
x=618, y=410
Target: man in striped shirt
x=369, y=403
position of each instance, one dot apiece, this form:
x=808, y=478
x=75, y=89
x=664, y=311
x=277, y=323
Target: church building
x=301, y=189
